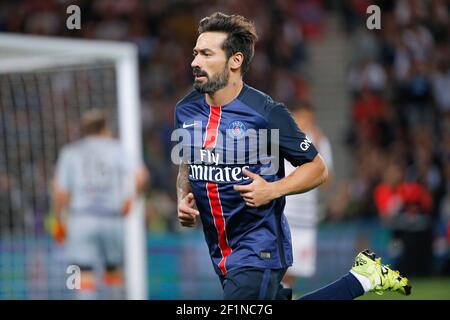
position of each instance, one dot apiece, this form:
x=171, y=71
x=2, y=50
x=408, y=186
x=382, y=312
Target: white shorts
x=94, y=240
x=304, y=252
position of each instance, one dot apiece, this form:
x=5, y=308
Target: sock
x=346, y=288
x=363, y=280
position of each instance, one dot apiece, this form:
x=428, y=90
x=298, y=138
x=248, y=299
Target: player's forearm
x=60, y=202
x=60, y=199
x=306, y=177
x=183, y=185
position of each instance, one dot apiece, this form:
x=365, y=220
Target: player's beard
x=217, y=82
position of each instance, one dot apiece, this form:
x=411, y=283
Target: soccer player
x=96, y=184
x=241, y=204
x=302, y=210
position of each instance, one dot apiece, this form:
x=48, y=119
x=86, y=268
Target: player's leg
x=112, y=248
x=304, y=255
x=82, y=252
x=250, y=283
x=367, y=274
x=113, y=280
x=346, y=288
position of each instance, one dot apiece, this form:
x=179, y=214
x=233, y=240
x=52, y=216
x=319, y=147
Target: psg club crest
x=236, y=129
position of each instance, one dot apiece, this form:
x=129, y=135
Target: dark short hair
x=93, y=121
x=241, y=35
x=298, y=105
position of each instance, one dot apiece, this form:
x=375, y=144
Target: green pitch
x=422, y=289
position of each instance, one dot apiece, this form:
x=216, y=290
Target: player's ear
x=236, y=60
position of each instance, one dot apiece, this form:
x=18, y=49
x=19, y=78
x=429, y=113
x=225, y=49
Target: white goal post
x=21, y=53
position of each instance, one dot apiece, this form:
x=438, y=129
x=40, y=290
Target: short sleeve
x=294, y=145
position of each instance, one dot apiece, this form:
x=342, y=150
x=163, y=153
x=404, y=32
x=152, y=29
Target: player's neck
x=225, y=95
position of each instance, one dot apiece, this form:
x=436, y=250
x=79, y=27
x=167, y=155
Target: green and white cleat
x=381, y=276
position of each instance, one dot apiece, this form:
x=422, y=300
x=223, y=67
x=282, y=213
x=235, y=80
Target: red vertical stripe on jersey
x=213, y=191
x=219, y=222
x=212, y=127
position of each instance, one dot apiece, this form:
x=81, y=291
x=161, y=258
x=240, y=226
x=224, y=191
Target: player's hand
x=187, y=214
x=257, y=193
x=59, y=233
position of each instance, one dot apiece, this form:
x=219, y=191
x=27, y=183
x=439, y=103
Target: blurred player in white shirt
x=95, y=182
x=302, y=210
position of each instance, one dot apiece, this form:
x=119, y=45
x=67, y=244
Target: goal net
x=45, y=86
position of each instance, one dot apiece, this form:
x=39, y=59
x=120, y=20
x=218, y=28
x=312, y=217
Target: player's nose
x=195, y=62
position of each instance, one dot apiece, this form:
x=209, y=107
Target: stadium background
x=381, y=97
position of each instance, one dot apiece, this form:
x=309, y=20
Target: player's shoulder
x=71, y=146
x=69, y=149
x=90, y=142
x=109, y=144
x=192, y=96
x=259, y=101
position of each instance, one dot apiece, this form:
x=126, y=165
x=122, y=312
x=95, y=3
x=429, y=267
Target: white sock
x=365, y=282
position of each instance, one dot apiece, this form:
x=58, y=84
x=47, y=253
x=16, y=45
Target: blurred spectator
x=354, y=13
x=405, y=208
x=399, y=81
x=441, y=80
x=368, y=75
x=303, y=222
x=369, y=109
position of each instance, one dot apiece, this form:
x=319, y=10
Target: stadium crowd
x=399, y=79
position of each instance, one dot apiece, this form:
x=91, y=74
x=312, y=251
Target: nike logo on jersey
x=185, y=125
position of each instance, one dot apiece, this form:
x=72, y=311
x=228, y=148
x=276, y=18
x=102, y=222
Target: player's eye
x=206, y=53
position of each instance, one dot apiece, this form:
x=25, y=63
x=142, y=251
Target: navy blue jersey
x=238, y=235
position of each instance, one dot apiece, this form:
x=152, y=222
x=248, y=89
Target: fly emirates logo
x=233, y=151
x=209, y=169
